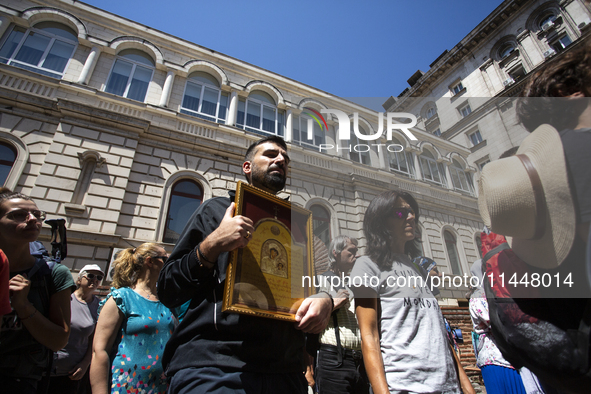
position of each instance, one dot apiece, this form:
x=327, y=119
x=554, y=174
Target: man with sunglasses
x=40, y=291
x=215, y=352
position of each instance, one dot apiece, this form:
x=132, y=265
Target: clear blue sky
x=347, y=48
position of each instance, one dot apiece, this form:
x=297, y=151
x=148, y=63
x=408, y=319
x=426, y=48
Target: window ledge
x=75, y=209
x=482, y=144
x=509, y=58
x=464, y=192
x=432, y=120
x=406, y=174
x=458, y=94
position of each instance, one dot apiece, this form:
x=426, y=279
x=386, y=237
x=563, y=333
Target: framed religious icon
x=272, y=275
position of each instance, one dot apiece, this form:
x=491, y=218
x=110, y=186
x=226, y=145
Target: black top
x=206, y=336
x=577, y=144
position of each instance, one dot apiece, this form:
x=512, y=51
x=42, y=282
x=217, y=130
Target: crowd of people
x=162, y=328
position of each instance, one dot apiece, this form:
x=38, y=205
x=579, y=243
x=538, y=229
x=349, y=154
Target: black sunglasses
x=402, y=213
x=21, y=215
x=92, y=276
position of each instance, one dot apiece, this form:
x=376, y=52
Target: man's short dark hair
x=272, y=138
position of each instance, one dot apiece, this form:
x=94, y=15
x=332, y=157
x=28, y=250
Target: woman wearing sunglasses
x=404, y=343
x=71, y=363
x=40, y=298
x=133, y=327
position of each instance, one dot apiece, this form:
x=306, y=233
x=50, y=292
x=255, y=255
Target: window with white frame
x=302, y=125
x=475, y=137
x=452, y=252
x=359, y=151
x=402, y=161
x=185, y=197
x=203, y=98
x=7, y=158
x=430, y=169
x=131, y=75
x=259, y=114
x=482, y=164
x=456, y=88
x=465, y=110
x=45, y=48
x=461, y=179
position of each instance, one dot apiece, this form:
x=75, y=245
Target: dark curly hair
x=377, y=235
x=544, y=98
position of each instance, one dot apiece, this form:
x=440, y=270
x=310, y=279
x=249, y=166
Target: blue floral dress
x=137, y=365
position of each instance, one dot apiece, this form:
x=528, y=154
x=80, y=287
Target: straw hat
x=527, y=197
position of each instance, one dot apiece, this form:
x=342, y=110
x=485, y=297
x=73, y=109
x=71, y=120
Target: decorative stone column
x=167, y=89
x=89, y=65
x=415, y=156
x=450, y=184
x=232, y=109
x=288, y=125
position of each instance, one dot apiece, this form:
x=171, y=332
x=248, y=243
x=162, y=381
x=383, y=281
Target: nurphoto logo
x=344, y=133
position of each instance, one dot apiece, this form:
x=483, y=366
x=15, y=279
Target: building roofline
x=500, y=15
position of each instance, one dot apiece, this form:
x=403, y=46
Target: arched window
x=401, y=161
x=185, y=198
x=301, y=125
x=547, y=20
x=461, y=179
x=321, y=223
x=259, y=114
x=430, y=168
x=452, y=252
x=131, y=74
x=7, y=159
x=506, y=49
x=45, y=48
x=204, y=99
x=430, y=112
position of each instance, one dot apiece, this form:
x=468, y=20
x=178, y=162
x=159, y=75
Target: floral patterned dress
x=488, y=352
x=137, y=365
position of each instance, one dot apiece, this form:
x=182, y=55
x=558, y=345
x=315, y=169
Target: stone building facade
x=123, y=130
x=468, y=94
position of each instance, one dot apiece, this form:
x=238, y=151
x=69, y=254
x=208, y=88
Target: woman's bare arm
x=107, y=328
x=367, y=318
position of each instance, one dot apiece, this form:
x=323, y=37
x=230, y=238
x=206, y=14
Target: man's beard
x=274, y=181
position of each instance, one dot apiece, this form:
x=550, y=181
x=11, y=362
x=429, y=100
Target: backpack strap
x=38, y=264
x=494, y=251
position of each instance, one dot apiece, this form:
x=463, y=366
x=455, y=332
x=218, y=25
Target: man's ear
x=334, y=253
x=577, y=95
x=246, y=169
